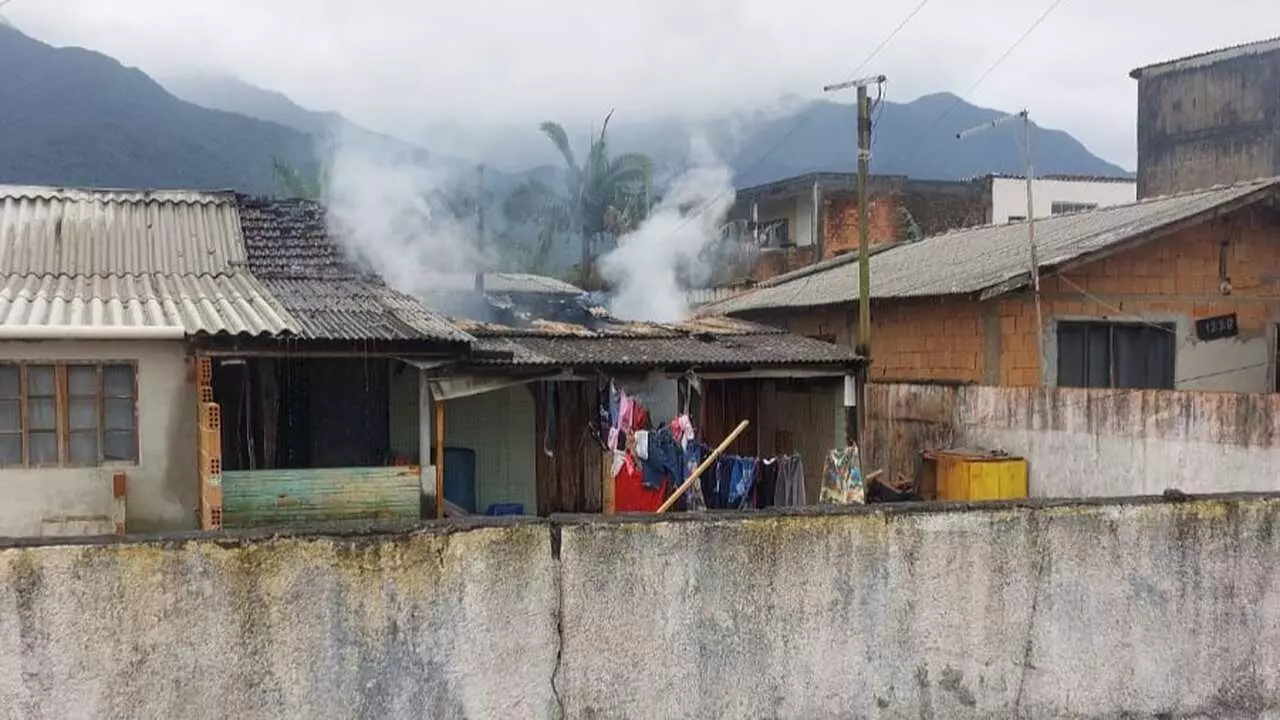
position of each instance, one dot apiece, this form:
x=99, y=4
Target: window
x=1017, y=218
x=775, y=233
x=67, y=414
x=1061, y=208
x=1115, y=355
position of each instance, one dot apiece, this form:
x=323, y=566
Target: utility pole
x=1033, y=255
x=856, y=417
x=479, y=284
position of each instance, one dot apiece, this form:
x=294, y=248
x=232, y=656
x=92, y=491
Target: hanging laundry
x=625, y=408
x=790, y=490
x=630, y=493
x=692, y=500
x=664, y=458
x=642, y=444
x=743, y=481
x=715, y=482
x=615, y=466
x=842, y=478
x=767, y=485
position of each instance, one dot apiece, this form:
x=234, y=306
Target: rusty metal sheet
x=261, y=498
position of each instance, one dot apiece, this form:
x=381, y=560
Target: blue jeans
x=743, y=476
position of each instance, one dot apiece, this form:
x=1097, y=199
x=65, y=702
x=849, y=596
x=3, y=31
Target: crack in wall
x=556, y=540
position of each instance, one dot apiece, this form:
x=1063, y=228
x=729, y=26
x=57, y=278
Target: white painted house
x=98, y=290
x=1057, y=195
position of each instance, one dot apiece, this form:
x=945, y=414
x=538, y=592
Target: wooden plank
x=439, y=459
x=264, y=498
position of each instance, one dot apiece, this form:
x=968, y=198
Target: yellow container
x=968, y=475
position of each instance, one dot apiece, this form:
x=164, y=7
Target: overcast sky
x=400, y=65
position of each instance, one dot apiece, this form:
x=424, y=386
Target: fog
x=433, y=70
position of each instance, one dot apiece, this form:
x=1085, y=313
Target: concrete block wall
x=1135, y=608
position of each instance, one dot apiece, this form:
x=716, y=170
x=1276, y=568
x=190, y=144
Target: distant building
x=1209, y=119
x=1056, y=195
x=790, y=224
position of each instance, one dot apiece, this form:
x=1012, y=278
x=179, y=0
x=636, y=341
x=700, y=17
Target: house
x=487, y=393
x=544, y=394
x=318, y=417
x=1209, y=119
x=1055, y=195
x=1177, y=292
x=792, y=223
x=101, y=292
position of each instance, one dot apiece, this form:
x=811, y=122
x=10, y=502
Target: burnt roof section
x=707, y=342
x=1207, y=58
x=288, y=247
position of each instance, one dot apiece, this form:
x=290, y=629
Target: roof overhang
x=1265, y=194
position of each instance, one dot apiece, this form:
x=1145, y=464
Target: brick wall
x=774, y=263
x=935, y=211
x=840, y=223
x=925, y=339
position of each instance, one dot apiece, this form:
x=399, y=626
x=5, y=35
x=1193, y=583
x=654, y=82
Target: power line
x=804, y=118
x=911, y=146
x=803, y=283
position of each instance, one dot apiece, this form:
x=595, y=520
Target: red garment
x=630, y=494
x=639, y=418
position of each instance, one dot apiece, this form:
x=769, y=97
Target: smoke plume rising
x=651, y=265
x=390, y=210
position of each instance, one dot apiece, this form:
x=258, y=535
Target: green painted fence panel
x=260, y=498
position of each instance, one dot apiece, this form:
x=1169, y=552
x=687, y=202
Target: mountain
x=70, y=116
x=916, y=138
x=236, y=96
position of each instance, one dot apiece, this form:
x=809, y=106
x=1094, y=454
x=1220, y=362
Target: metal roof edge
x=1269, y=187
x=1204, y=57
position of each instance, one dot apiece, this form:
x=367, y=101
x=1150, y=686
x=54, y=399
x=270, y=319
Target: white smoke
x=385, y=207
x=647, y=268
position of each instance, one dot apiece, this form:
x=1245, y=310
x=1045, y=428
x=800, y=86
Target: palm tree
x=293, y=183
x=602, y=195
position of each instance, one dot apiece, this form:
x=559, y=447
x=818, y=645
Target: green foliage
x=603, y=195
x=293, y=183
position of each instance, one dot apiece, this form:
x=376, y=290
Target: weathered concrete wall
x=1090, y=442
x=1081, y=611
x=1206, y=124
x=410, y=626
x=1128, y=609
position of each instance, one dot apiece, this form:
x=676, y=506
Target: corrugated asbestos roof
x=701, y=342
x=289, y=247
x=124, y=258
x=972, y=260
x=774, y=349
x=224, y=304
x=55, y=231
